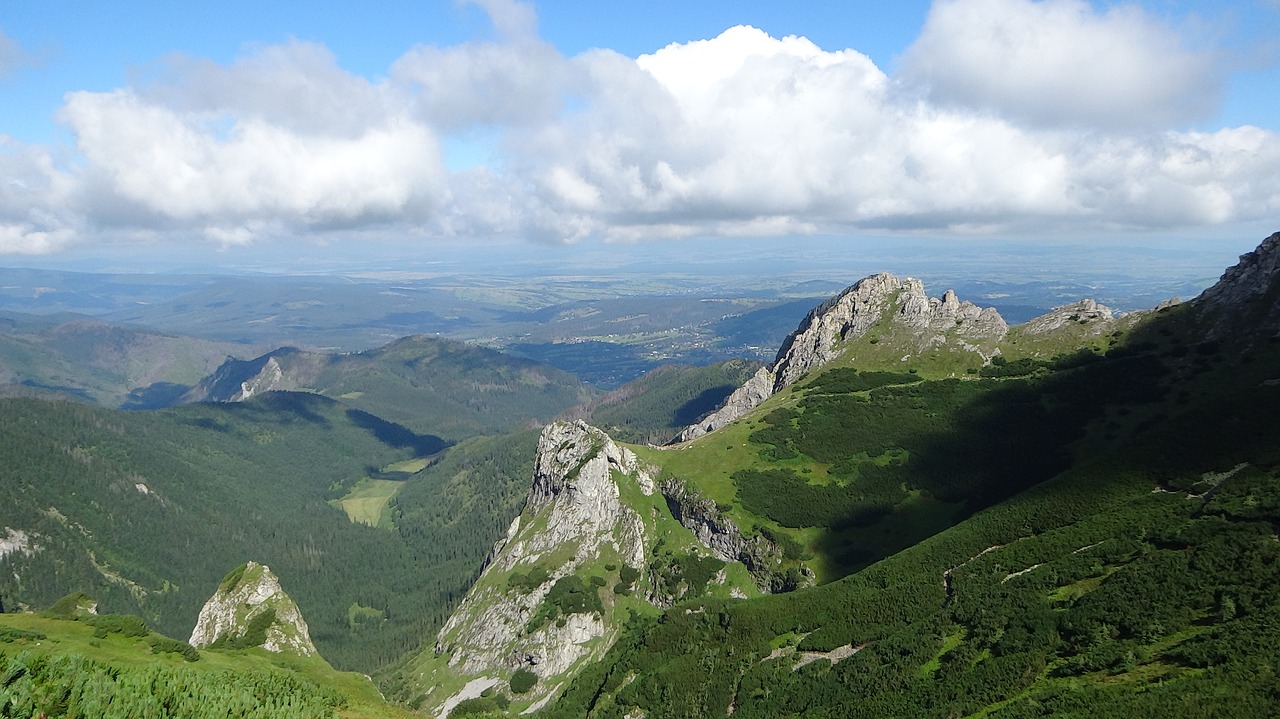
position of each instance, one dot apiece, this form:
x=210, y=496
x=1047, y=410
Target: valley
x=916, y=507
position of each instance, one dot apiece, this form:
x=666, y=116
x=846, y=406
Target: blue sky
x=336, y=127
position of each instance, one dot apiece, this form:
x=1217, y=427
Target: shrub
x=522, y=681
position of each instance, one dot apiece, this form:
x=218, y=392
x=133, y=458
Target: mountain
x=1077, y=513
x=75, y=357
x=1132, y=573
x=554, y=592
x=918, y=510
x=251, y=609
x=431, y=385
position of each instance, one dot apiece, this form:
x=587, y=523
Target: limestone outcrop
x=575, y=516
x=900, y=305
x=250, y=608
x=1247, y=294
x=716, y=532
x=1084, y=312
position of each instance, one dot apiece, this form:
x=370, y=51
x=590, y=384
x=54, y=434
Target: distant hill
x=79, y=358
x=431, y=385
x=655, y=407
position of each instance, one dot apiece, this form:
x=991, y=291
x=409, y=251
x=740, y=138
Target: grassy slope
x=63, y=638
x=369, y=502
x=1021, y=607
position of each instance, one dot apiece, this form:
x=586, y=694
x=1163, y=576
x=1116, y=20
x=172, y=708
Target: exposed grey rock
x=821, y=336
x=1247, y=288
x=1082, y=312
x=700, y=516
x=13, y=541
x=236, y=380
x=270, y=378
x=257, y=590
x=574, y=514
x=742, y=400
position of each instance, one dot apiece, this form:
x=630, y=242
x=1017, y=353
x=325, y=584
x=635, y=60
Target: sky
x=397, y=127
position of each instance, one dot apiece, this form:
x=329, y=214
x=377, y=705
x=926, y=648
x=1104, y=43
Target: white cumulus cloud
x=1006, y=116
x=1058, y=62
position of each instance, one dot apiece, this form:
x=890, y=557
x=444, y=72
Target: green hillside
x=655, y=407
x=431, y=385
x=74, y=357
x=1079, y=516
x=113, y=666
x=147, y=510
x=1113, y=550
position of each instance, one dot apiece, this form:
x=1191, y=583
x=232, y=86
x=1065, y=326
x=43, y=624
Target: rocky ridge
x=1247, y=294
x=716, y=532
x=594, y=513
x=575, y=514
x=251, y=608
x=237, y=380
x=874, y=300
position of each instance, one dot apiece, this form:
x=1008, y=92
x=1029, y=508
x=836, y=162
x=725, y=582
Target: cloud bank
x=1005, y=116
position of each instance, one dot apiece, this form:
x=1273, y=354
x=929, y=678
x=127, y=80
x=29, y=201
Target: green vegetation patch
x=786, y=498
x=232, y=580
x=369, y=502
x=523, y=681
x=255, y=632
x=569, y=595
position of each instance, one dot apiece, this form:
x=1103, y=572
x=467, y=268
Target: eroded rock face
x=1246, y=293
x=820, y=338
x=700, y=516
x=271, y=377
x=575, y=514
x=742, y=400
x=246, y=594
x=1084, y=312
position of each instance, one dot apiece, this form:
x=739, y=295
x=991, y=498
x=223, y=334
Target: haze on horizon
x=326, y=133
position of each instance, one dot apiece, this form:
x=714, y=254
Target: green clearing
x=408, y=466
x=369, y=502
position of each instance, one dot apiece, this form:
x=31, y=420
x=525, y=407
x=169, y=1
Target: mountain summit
x=251, y=609
x=898, y=308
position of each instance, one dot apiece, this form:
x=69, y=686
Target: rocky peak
x=237, y=380
x=575, y=518
x=251, y=609
x=1248, y=289
x=821, y=336
x=1082, y=312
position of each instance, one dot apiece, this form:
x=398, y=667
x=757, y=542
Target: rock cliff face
x=1247, y=294
x=700, y=516
x=236, y=380
x=575, y=516
x=874, y=301
x=1082, y=312
x=251, y=609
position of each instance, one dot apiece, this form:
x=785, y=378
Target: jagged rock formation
x=251, y=609
x=1082, y=312
x=700, y=516
x=237, y=380
x=821, y=336
x=575, y=515
x=1247, y=294
x=744, y=399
